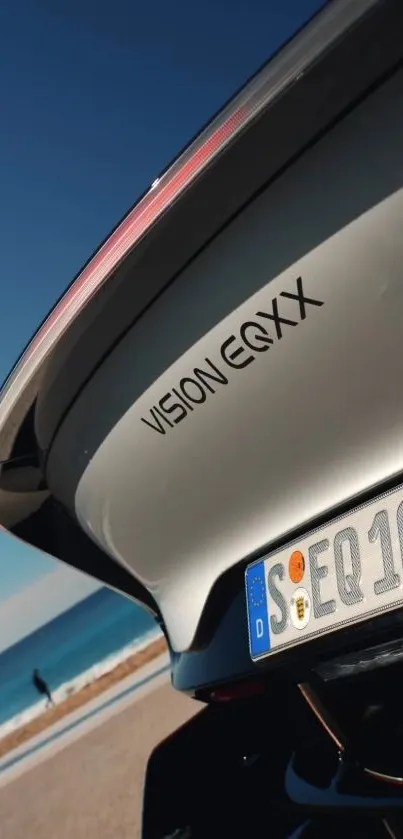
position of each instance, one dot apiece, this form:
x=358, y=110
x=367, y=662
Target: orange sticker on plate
x=296, y=566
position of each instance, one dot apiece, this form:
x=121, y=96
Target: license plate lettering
x=380, y=530
x=345, y=572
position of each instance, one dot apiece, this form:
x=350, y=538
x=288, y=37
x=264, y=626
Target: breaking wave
x=80, y=681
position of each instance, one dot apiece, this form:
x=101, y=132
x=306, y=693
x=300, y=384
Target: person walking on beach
x=42, y=687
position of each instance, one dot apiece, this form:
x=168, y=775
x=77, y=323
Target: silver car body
x=261, y=388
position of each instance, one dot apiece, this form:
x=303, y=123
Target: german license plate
x=340, y=574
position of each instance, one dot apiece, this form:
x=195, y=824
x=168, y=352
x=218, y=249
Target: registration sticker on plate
x=340, y=574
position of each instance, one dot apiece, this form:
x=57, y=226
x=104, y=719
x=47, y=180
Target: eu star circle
x=257, y=591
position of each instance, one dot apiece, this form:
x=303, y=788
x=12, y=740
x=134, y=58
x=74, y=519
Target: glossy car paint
x=306, y=422
x=297, y=112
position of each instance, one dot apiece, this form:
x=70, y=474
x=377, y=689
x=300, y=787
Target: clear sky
x=96, y=98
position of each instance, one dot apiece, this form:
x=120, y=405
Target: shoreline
x=78, y=699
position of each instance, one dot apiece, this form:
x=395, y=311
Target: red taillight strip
x=285, y=68
x=137, y=223
x=239, y=690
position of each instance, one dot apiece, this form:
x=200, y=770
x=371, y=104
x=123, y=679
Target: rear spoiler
x=321, y=73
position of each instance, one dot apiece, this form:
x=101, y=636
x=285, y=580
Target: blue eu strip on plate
x=258, y=615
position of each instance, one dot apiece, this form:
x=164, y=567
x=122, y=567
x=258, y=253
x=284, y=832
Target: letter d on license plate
x=341, y=574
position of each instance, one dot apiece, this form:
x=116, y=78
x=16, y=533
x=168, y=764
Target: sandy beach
x=82, y=697
x=93, y=786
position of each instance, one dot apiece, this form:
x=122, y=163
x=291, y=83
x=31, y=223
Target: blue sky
x=96, y=98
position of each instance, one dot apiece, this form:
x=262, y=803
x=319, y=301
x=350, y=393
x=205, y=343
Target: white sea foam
x=82, y=680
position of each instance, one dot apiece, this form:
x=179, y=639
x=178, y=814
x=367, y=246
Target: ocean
x=71, y=651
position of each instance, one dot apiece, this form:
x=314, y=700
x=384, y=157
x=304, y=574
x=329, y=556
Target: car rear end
x=209, y=422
